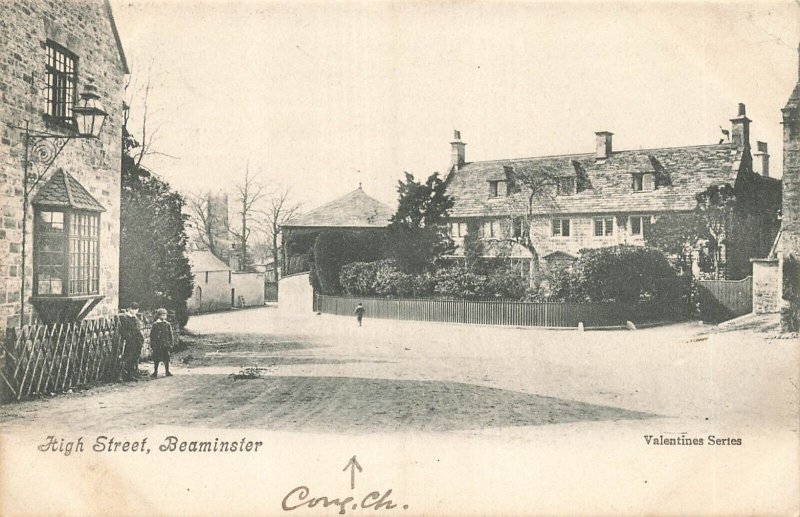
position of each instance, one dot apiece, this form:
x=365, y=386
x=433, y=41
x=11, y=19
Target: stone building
x=603, y=198
x=51, y=53
x=790, y=224
x=768, y=272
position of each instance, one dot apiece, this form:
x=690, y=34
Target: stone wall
x=84, y=28
x=766, y=286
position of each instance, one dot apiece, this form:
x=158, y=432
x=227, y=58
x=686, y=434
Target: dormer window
x=643, y=182
x=565, y=186
x=498, y=188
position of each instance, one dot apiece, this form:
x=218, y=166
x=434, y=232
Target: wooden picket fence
x=43, y=359
x=503, y=312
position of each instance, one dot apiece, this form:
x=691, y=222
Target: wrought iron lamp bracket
x=43, y=150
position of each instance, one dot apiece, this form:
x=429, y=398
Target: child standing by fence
x=359, y=313
x=130, y=329
x=161, y=341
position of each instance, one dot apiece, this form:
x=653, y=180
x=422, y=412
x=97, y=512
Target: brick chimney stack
x=458, y=152
x=761, y=159
x=604, y=147
x=740, y=131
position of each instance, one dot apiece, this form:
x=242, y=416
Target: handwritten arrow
x=352, y=465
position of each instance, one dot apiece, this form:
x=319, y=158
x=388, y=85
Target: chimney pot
x=740, y=129
x=604, y=147
x=457, y=151
x=761, y=159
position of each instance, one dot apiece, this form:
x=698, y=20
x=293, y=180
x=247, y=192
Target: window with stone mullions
x=639, y=225
x=61, y=79
x=561, y=227
x=603, y=227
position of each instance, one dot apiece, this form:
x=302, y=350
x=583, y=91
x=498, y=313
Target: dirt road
x=455, y=420
x=324, y=373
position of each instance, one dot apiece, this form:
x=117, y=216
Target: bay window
x=66, y=250
x=66, y=253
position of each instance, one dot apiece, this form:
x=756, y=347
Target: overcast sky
x=322, y=96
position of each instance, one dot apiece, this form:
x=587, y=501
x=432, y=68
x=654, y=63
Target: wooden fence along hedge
x=502, y=312
x=41, y=359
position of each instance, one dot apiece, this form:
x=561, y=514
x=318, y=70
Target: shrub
x=381, y=278
x=334, y=249
x=460, y=282
x=355, y=278
x=555, y=286
x=624, y=274
x=390, y=281
x=506, y=282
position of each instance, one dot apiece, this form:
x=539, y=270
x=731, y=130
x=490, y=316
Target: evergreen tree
x=154, y=268
x=418, y=230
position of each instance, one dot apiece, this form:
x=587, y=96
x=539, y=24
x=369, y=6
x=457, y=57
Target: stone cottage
x=603, y=198
x=217, y=286
x=59, y=240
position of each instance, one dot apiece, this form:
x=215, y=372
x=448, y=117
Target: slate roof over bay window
x=64, y=191
x=680, y=173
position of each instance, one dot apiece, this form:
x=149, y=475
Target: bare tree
x=249, y=195
x=138, y=142
x=204, y=219
x=538, y=187
x=280, y=208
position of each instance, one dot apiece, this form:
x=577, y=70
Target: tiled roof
x=62, y=190
x=353, y=210
x=690, y=170
x=204, y=260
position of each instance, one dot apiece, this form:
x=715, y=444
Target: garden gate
x=722, y=300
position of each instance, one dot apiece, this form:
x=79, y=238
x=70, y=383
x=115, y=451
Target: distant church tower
x=791, y=172
x=218, y=206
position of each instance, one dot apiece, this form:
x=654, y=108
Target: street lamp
x=89, y=114
x=41, y=151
